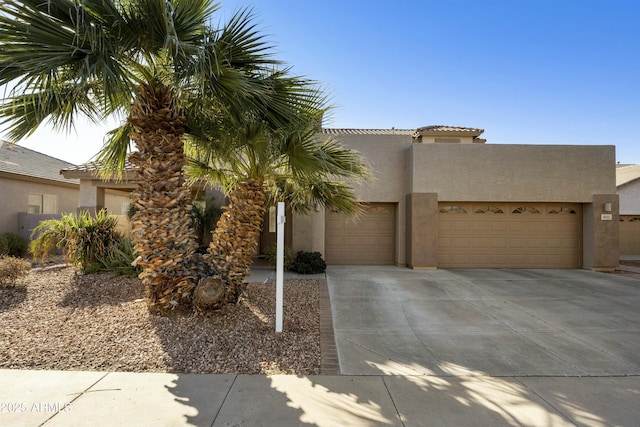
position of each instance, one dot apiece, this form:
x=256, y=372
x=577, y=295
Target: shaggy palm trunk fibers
x=161, y=224
x=234, y=243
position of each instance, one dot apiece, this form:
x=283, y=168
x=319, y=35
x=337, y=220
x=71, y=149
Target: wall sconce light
x=606, y=207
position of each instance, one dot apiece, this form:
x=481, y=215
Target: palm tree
x=152, y=62
x=258, y=164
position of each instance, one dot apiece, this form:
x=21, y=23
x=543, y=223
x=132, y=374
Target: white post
x=279, y=265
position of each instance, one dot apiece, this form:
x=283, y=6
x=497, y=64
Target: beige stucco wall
x=387, y=157
x=535, y=173
x=630, y=198
x=14, y=198
x=418, y=175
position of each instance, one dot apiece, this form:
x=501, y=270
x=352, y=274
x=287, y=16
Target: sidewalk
x=53, y=398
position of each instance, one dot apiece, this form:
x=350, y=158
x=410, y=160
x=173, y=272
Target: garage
x=509, y=235
x=368, y=240
x=629, y=235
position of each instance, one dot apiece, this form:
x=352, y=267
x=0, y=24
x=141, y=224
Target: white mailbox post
x=281, y=219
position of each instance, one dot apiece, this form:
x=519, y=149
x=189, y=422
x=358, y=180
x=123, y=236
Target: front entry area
x=509, y=235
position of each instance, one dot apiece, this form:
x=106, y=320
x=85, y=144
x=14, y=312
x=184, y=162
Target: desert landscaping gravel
x=56, y=319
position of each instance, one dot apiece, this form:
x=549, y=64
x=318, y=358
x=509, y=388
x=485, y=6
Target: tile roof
x=18, y=160
x=94, y=167
x=444, y=128
x=626, y=174
x=391, y=131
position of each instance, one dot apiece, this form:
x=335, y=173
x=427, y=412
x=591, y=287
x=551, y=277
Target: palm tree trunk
x=235, y=239
x=162, y=230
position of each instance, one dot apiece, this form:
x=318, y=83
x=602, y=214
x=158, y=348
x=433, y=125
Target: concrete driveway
x=498, y=323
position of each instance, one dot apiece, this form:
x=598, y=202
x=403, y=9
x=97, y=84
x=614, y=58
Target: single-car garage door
x=509, y=235
x=369, y=240
x=629, y=234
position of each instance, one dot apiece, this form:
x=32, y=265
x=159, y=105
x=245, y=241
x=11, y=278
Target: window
x=634, y=219
x=43, y=204
x=525, y=209
x=452, y=209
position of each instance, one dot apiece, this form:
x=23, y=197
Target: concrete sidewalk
x=52, y=398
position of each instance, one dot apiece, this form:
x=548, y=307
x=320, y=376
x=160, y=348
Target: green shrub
x=309, y=263
x=12, y=269
x=119, y=259
x=84, y=239
x=15, y=245
x=271, y=256
x=4, y=245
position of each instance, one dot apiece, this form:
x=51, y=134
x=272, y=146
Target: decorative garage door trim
x=368, y=240
x=509, y=235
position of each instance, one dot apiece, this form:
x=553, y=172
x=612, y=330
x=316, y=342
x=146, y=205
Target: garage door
x=629, y=235
x=369, y=240
x=509, y=235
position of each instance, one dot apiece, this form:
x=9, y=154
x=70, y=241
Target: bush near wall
x=309, y=263
x=14, y=245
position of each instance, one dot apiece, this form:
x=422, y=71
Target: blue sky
x=528, y=72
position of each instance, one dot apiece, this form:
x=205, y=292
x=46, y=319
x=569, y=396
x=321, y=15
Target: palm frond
x=112, y=158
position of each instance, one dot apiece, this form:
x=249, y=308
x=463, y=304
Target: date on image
x=45, y=407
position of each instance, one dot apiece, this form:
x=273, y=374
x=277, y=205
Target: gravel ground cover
x=56, y=319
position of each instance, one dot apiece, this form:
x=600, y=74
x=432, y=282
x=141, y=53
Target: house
x=444, y=198
x=32, y=189
x=97, y=193
x=628, y=185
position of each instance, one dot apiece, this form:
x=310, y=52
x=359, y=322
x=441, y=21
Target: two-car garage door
x=509, y=235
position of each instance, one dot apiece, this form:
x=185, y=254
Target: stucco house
x=628, y=185
x=32, y=189
x=444, y=198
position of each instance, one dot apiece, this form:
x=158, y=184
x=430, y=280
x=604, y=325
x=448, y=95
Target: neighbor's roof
x=18, y=160
x=626, y=174
x=391, y=131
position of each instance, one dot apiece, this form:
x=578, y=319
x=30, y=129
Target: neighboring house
x=442, y=198
x=32, y=189
x=96, y=193
x=628, y=184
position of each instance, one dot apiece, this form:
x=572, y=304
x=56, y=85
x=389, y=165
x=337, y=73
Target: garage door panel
x=629, y=234
x=531, y=238
x=368, y=240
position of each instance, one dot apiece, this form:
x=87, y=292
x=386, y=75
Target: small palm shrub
x=14, y=245
x=83, y=238
x=12, y=269
x=271, y=256
x=119, y=260
x=309, y=263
